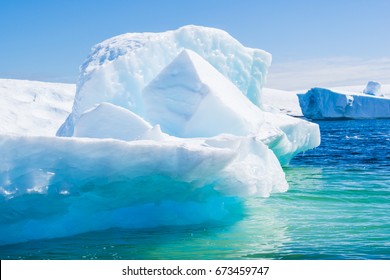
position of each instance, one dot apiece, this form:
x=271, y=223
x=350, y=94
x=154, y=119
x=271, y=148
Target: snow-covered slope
x=344, y=102
x=33, y=108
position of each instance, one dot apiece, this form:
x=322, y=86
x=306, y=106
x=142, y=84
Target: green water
x=337, y=207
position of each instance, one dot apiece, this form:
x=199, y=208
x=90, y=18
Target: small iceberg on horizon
x=373, y=88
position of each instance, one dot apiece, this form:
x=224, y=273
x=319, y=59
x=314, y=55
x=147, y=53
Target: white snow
x=33, y=108
x=321, y=103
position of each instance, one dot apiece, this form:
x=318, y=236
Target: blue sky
x=48, y=40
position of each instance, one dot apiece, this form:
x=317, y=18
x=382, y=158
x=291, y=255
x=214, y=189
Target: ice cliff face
x=321, y=103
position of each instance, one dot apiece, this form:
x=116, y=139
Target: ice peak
x=190, y=98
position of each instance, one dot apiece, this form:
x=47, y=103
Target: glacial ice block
x=190, y=98
x=321, y=103
x=119, y=68
x=120, y=171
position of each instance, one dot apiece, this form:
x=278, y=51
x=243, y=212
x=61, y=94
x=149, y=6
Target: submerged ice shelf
x=163, y=125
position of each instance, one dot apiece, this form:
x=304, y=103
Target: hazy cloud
x=339, y=71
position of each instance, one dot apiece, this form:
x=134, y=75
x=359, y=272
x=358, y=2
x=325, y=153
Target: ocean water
x=337, y=207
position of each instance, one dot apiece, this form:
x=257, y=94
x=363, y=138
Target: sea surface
x=337, y=207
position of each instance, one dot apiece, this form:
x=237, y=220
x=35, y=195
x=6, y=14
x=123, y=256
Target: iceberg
x=119, y=68
x=123, y=71
x=373, y=88
x=166, y=129
x=321, y=103
x=53, y=186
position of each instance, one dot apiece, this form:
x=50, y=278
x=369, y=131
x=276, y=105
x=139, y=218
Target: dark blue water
x=337, y=207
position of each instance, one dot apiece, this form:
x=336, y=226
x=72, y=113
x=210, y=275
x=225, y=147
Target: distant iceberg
x=322, y=103
x=166, y=129
x=373, y=88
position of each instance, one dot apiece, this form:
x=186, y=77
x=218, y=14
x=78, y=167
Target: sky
x=313, y=43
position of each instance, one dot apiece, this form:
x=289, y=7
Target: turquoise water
x=337, y=207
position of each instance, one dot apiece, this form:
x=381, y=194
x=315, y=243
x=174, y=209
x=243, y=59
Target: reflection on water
x=260, y=228
x=327, y=218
